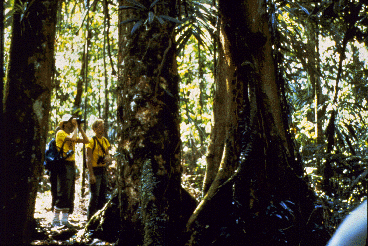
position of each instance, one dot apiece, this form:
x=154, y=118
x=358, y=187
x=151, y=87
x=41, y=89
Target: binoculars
x=79, y=121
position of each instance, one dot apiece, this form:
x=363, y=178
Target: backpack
x=53, y=156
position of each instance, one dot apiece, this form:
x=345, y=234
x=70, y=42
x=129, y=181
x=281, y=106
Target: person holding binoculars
x=66, y=138
x=98, y=158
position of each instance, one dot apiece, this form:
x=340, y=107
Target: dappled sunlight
x=184, y=89
x=43, y=206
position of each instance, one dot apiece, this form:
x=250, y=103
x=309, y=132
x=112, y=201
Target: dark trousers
x=66, y=187
x=53, y=183
x=98, y=191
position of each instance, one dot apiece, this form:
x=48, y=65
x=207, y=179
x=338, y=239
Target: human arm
x=107, y=159
x=92, y=178
x=85, y=139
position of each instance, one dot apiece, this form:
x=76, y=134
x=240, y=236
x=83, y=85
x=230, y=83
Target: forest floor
x=45, y=234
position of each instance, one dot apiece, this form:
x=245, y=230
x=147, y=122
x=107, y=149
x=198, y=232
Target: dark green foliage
x=148, y=15
x=340, y=114
x=339, y=158
x=199, y=21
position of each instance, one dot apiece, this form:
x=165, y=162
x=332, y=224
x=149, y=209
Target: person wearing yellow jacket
x=66, y=138
x=98, y=158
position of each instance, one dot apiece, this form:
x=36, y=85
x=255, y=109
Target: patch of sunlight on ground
x=43, y=206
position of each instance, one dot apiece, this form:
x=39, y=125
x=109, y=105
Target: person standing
x=53, y=181
x=66, y=138
x=98, y=158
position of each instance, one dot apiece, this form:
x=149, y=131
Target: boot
x=65, y=220
x=56, y=220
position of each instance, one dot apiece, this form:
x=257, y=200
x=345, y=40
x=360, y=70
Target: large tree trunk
x=26, y=112
x=156, y=207
x=245, y=205
x=222, y=166
x=224, y=99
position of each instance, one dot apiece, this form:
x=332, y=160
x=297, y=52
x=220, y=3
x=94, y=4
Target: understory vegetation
x=321, y=55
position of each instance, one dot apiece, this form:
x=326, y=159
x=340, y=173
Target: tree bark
x=218, y=131
x=224, y=120
x=258, y=170
x=156, y=207
x=26, y=112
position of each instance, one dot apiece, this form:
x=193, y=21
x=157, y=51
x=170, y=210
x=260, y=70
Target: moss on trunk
x=148, y=111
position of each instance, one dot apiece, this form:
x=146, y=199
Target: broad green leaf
x=128, y=7
x=160, y=20
x=170, y=19
x=136, y=4
x=154, y=3
x=128, y=21
x=151, y=17
x=136, y=26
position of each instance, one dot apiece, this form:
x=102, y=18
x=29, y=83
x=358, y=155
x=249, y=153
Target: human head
x=65, y=119
x=96, y=124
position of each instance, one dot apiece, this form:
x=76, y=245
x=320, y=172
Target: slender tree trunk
x=318, y=92
x=106, y=34
x=78, y=97
x=313, y=58
x=156, y=207
x=201, y=83
x=83, y=77
x=26, y=111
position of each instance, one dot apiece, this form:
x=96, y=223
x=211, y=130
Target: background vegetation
x=323, y=58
